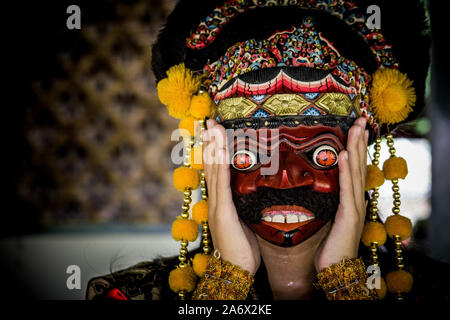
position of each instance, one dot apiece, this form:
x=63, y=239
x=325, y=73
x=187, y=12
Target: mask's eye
x=243, y=160
x=325, y=156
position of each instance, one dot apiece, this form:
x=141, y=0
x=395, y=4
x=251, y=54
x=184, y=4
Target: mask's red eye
x=325, y=156
x=243, y=160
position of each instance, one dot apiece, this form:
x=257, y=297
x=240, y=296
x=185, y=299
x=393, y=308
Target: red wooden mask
x=301, y=195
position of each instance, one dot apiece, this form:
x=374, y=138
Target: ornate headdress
x=208, y=47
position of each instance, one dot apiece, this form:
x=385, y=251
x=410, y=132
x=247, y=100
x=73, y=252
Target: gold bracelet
x=223, y=281
x=345, y=281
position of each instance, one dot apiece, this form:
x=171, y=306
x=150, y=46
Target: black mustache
x=250, y=206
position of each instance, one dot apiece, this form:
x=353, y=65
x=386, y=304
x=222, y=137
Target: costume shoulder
x=144, y=281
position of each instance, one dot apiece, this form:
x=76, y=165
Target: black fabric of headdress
x=297, y=73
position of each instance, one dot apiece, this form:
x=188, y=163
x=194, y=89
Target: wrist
x=330, y=258
x=241, y=262
x=223, y=281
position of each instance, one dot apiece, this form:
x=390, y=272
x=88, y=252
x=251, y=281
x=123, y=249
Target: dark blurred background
x=88, y=168
x=91, y=144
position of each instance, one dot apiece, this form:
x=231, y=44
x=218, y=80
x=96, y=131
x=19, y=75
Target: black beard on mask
x=250, y=206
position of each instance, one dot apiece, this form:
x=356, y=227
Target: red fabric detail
x=116, y=294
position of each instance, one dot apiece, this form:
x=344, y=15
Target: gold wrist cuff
x=223, y=281
x=345, y=281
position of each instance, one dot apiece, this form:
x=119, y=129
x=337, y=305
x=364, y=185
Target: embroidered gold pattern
x=286, y=104
x=234, y=108
x=345, y=281
x=357, y=106
x=335, y=103
x=331, y=103
x=223, y=281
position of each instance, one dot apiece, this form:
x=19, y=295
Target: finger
x=355, y=167
x=224, y=195
x=221, y=154
x=359, y=192
x=210, y=123
x=346, y=198
x=361, y=143
x=219, y=134
x=361, y=121
x=364, y=153
x=208, y=147
x=223, y=177
x=208, y=157
x=353, y=148
x=213, y=168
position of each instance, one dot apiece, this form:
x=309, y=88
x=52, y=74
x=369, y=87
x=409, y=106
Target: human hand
x=343, y=239
x=236, y=243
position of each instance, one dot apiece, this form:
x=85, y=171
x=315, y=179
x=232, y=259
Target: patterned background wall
x=98, y=139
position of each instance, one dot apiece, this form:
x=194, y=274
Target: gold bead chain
x=205, y=236
x=186, y=203
x=205, y=228
x=182, y=257
x=374, y=203
x=203, y=185
x=396, y=210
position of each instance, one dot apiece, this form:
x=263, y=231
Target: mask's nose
x=293, y=172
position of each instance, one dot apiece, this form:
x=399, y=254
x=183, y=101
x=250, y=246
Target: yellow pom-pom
x=184, y=229
x=395, y=168
x=374, y=177
x=188, y=124
x=397, y=225
x=391, y=96
x=381, y=292
x=197, y=158
x=201, y=105
x=373, y=232
x=200, y=211
x=199, y=263
x=184, y=177
x=399, y=281
x=177, y=89
x=182, y=279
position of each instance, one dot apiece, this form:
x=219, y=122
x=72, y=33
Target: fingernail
x=345, y=155
x=209, y=123
x=364, y=121
x=358, y=130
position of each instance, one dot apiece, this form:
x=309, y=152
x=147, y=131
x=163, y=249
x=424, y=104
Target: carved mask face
x=287, y=207
x=300, y=194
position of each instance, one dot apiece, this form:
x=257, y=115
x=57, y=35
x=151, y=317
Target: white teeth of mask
x=278, y=218
x=291, y=218
x=287, y=218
